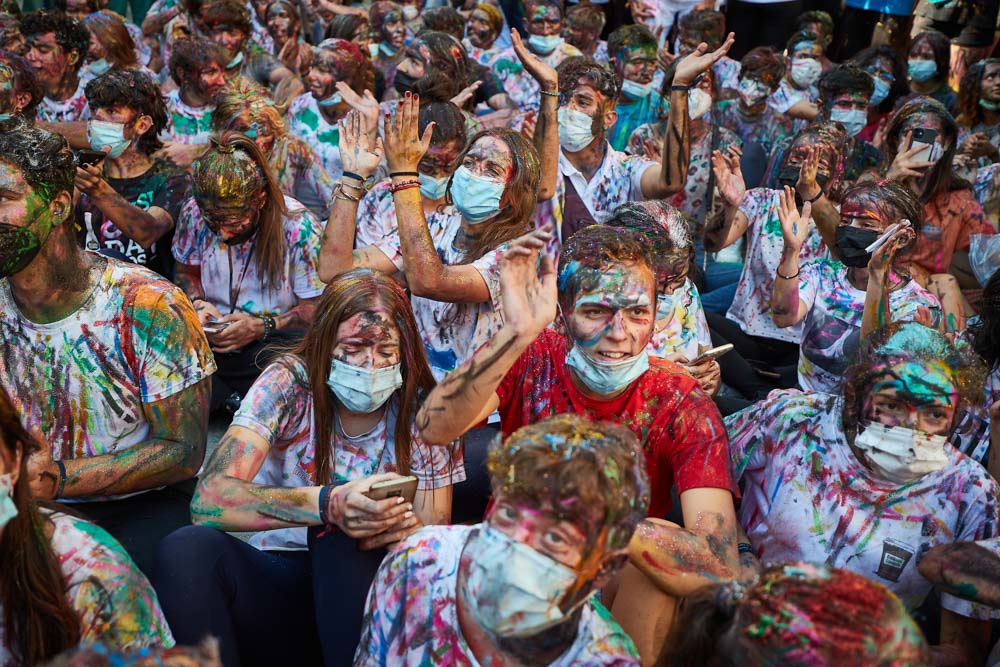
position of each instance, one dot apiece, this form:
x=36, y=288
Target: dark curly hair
x=70, y=34
x=763, y=64
x=193, y=54
x=24, y=81
x=967, y=104
x=707, y=24
x=842, y=79
x=43, y=157
x=591, y=249
x=444, y=19
x=940, y=46
x=581, y=69
x=900, y=85
x=225, y=12
x=135, y=90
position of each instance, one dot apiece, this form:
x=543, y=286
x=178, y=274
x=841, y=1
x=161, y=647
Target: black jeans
x=237, y=371
x=140, y=522
x=757, y=24
x=737, y=370
x=258, y=604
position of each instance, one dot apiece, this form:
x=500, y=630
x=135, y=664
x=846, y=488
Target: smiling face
x=208, y=82
x=914, y=394
x=612, y=315
x=51, y=63
x=368, y=339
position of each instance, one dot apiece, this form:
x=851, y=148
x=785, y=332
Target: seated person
x=978, y=110
x=929, y=64
x=797, y=94
x=227, y=23
x=389, y=34
x=888, y=72
x=840, y=619
x=831, y=299
x=64, y=581
x=130, y=200
x=196, y=65
x=319, y=426
x=582, y=29
x=247, y=257
x=709, y=26
x=484, y=26
x=105, y=359
x=599, y=368
x=111, y=45
x=632, y=53
x=57, y=46
x=751, y=116
x=519, y=587
x=22, y=92
x=865, y=480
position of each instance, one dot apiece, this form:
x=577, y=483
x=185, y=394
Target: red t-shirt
x=679, y=426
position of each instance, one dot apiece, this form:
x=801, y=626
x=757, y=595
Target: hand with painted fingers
x=794, y=226
x=906, y=166
x=883, y=255
x=90, y=179
x=729, y=177
x=241, y=330
x=699, y=60
x=808, y=187
x=707, y=373
x=365, y=104
x=350, y=509
x=466, y=94
x=541, y=72
x=978, y=145
x=206, y=312
x=527, y=284
x=360, y=152
x=404, y=145
x=43, y=473
x=392, y=536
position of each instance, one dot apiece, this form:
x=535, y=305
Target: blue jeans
x=721, y=279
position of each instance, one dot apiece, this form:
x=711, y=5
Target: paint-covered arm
x=299, y=316
x=878, y=312
x=546, y=136
x=964, y=569
x=803, y=110
x=468, y=395
x=825, y=216
x=75, y=132
x=723, y=231
x=964, y=641
x=786, y=307
x=144, y=226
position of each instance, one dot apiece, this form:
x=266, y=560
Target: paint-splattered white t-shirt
x=306, y=121
x=806, y=497
x=71, y=109
x=681, y=327
x=188, y=125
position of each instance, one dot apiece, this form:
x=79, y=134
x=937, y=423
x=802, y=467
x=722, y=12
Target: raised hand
x=698, y=61
x=664, y=59
x=360, y=151
x=905, y=166
x=404, y=146
x=794, y=227
x=465, y=94
x=729, y=177
x=883, y=256
x=544, y=74
x=365, y=104
x=527, y=284
x=807, y=186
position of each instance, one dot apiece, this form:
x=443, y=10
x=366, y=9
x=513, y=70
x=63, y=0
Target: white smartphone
x=713, y=353
x=214, y=327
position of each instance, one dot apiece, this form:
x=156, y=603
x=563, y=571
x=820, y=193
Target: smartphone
x=87, y=156
x=927, y=138
x=214, y=327
x=405, y=487
x=713, y=353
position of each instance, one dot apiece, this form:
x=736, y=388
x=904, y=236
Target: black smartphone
x=926, y=138
x=87, y=156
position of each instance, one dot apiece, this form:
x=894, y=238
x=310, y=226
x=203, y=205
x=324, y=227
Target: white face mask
x=752, y=92
x=805, y=71
x=8, y=510
x=606, y=377
x=513, y=590
x=666, y=304
x=575, y=129
x=410, y=12
x=853, y=120
x=636, y=90
x=363, y=390
x=699, y=103
x=899, y=454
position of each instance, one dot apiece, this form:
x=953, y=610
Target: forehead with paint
x=368, y=339
x=806, y=49
x=864, y=207
x=925, y=120
x=635, y=58
x=485, y=24
x=491, y=157
x=543, y=18
x=337, y=58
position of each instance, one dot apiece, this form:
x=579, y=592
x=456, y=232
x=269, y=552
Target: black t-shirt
x=165, y=186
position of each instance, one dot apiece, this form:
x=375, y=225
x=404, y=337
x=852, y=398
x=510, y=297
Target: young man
x=57, y=46
x=584, y=24
x=518, y=588
x=227, y=23
x=632, y=51
x=105, y=359
x=20, y=92
x=599, y=368
x=130, y=200
x=751, y=116
x=596, y=178
x=196, y=65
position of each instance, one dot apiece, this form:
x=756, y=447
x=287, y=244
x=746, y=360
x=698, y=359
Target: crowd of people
x=538, y=333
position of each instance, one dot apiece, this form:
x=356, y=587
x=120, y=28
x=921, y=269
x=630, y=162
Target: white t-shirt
x=751, y=307
x=806, y=497
x=306, y=121
x=188, y=125
x=279, y=408
x=196, y=245
x=71, y=109
x=832, y=327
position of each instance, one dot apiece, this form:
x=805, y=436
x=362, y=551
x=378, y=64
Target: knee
x=188, y=551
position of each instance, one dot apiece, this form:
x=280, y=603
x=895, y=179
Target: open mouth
x=611, y=356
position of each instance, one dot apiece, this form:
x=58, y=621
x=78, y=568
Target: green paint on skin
x=965, y=590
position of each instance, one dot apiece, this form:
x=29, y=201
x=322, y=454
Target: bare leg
x=644, y=612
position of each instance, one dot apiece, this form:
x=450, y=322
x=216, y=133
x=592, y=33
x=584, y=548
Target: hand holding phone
x=402, y=487
x=85, y=156
x=214, y=327
x=710, y=354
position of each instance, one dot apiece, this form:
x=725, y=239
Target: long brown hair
x=350, y=293
x=235, y=167
x=39, y=622
x=110, y=31
x=521, y=191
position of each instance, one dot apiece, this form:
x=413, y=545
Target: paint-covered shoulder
x=610, y=644
x=791, y=407
x=430, y=547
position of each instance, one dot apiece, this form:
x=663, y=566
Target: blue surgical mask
x=636, y=90
x=431, y=187
x=103, y=133
x=544, y=44
x=853, y=120
x=880, y=93
x=986, y=104
x=373, y=50
x=603, y=377
x=5, y=116
x=8, y=510
x=477, y=198
x=388, y=49
x=921, y=70
x=363, y=390
x=99, y=67
x=237, y=59
x=331, y=101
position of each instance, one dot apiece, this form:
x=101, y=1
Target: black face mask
x=789, y=175
x=851, y=243
x=403, y=82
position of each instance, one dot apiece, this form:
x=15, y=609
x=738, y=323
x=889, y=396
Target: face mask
x=636, y=90
x=805, y=71
x=18, y=246
x=922, y=70
x=544, y=43
x=789, y=175
x=851, y=243
x=403, y=82
x=410, y=12
x=388, y=49
x=431, y=187
x=99, y=67
x=8, y=510
x=5, y=116
x=605, y=377
x=363, y=390
x=699, y=103
x=476, y=197
x=575, y=129
x=880, y=93
x=513, y=590
x=853, y=120
x=752, y=92
x=373, y=50
x=666, y=304
x=237, y=59
x=331, y=101
x=900, y=454
x=102, y=133
x=989, y=106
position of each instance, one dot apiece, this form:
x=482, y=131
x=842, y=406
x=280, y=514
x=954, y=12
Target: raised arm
x=144, y=226
x=824, y=214
x=786, y=309
x=546, y=126
x=877, y=312
x=729, y=179
x=468, y=395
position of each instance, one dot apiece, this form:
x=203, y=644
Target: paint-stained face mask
x=433, y=188
x=18, y=246
x=880, y=92
x=853, y=120
x=410, y=12
x=476, y=197
x=921, y=70
x=752, y=92
x=99, y=66
x=8, y=510
x=513, y=590
x=900, y=454
x=106, y=134
x=699, y=103
x=363, y=390
x=544, y=44
x=606, y=377
x=575, y=129
x=851, y=243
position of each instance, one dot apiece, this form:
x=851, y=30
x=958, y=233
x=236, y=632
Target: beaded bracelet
x=405, y=185
x=269, y=326
x=551, y=93
x=324, y=497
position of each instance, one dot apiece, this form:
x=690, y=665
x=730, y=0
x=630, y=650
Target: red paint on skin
x=656, y=565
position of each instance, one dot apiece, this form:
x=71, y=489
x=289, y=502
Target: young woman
x=64, y=580
x=321, y=425
x=928, y=64
x=888, y=72
x=111, y=45
x=247, y=257
x=978, y=110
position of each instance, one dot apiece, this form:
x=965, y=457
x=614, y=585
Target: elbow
x=425, y=285
x=430, y=431
x=546, y=191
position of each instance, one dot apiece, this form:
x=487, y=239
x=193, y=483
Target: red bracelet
x=405, y=185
